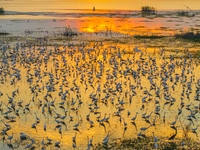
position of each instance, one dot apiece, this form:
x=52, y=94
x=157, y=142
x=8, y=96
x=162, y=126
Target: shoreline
x=90, y=11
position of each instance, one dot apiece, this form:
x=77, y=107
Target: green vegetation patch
x=148, y=37
x=195, y=37
x=149, y=143
x=3, y=33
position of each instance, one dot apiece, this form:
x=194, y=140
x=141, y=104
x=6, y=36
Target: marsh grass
x=69, y=32
x=148, y=143
x=196, y=54
x=3, y=33
x=148, y=37
x=183, y=13
x=189, y=35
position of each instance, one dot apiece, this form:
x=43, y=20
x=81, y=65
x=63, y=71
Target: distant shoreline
x=88, y=12
x=122, y=22
x=104, y=11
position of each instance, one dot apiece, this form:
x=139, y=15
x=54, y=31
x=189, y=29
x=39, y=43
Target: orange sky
x=54, y=5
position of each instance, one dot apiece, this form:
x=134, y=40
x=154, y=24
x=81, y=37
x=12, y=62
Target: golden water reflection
x=129, y=26
x=108, y=23
x=80, y=70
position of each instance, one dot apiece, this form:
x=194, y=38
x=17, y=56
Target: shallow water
x=19, y=25
x=118, y=20
x=97, y=74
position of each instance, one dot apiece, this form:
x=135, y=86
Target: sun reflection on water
x=134, y=26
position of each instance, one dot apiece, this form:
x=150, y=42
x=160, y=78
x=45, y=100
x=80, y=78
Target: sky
x=49, y=5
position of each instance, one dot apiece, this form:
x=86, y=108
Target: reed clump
x=1, y=10
x=189, y=35
x=69, y=32
x=147, y=10
x=149, y=143
x=183, y=13
x=3, y=33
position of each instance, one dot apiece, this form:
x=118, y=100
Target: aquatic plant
x=3, y=33
x=69, y=32
x=147, y=10
x=148, y=37
x=148, y=143
x=189, y=35
x=1, y=10
x=185, y=13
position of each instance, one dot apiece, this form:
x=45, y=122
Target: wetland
x=99, y=81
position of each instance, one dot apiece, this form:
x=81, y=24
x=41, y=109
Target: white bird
x=143, y=115
x=73, y=103
x=32, y=140
x=88, y=143
x=133, y=119
x=45, y=126
x=57, y=144
x=58, y=121
x=88, y=116
x=98, y=117
x=42, y=141
x=137, y=50
x=155, y=138
x=154, y=121
x=34, y=124
x=91, y=140
x=105, y=142
x=23, y=135
x=49, y=140
x=106, y=136
x=173, y=123
x=63, y=117
x=27, y=105
x=156, y=145
x=148, y=116
x=38, y=119
x=106, y=119
x=74, y=145
x=102, y=120
x=7, y=125
x=144, y=128
x=91, y=123
x=10, y=137
x=74, y=138
x=60, y=130
x=125, y=124
x=29, y=145
x=194, y=129
x=76, y=125
x=183, y=143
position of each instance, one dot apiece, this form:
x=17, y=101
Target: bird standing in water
x=10, y=137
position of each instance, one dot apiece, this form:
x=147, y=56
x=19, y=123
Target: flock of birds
x=81, y=89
